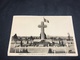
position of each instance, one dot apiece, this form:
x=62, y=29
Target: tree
x=31, y=38
x=68, y=36
x=21, y=43
x=15, y=36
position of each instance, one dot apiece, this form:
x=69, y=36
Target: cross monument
x=42, y=26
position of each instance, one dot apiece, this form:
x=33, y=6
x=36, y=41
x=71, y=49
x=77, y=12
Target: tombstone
x=50, y=50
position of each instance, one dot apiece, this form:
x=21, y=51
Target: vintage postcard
x=42, y=36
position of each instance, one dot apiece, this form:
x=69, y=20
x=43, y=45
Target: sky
x=24, y=25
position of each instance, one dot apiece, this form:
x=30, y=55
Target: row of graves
x=35, y=41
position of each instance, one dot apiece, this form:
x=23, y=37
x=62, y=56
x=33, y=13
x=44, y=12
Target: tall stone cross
x=42, y=26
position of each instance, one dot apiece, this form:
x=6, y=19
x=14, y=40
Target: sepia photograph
x=42, y=36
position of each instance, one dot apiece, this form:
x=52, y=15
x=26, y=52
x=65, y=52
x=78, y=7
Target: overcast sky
x=28, y=25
